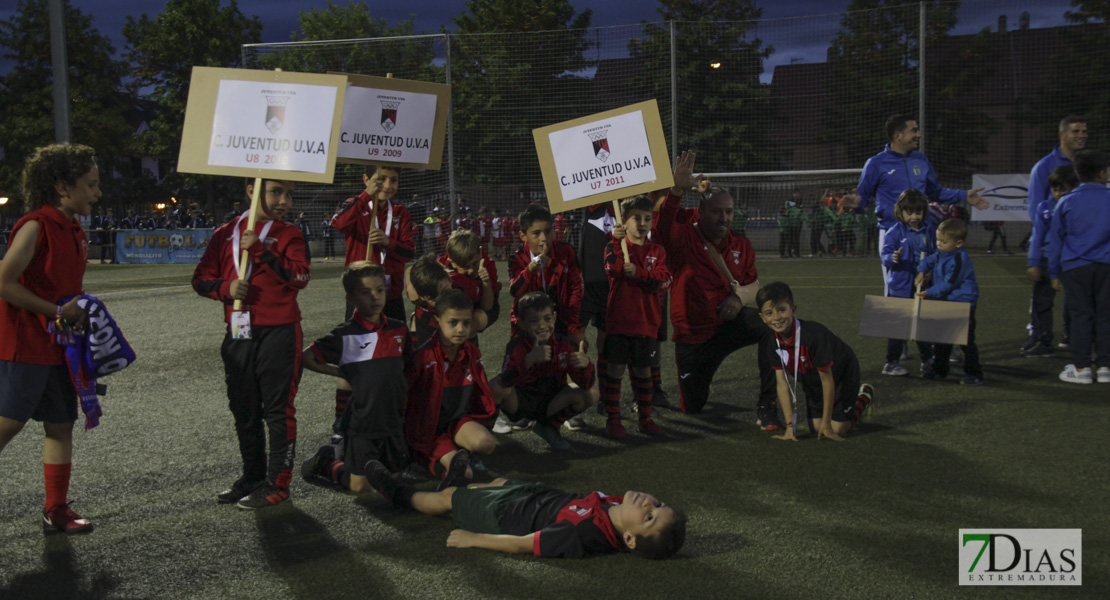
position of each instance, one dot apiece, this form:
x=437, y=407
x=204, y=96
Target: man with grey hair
x=1073, y=137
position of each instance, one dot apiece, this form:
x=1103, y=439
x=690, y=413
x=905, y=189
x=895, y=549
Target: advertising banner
x=161, y=245
x=1008, y=195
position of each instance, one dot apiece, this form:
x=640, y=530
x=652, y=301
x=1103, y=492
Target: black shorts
x=479, y=509
x=534, y=398
x=391, y=452
x=40, y=392
x=595, y=297
x=631, y=350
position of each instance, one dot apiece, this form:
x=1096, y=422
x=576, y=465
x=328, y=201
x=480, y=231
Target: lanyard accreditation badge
x=241, y=319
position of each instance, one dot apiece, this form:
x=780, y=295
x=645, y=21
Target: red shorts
x=444, y=444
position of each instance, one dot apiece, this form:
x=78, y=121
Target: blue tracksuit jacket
x=899, y=277
x=887, y=174
x=953, y=276
x=1080, y=233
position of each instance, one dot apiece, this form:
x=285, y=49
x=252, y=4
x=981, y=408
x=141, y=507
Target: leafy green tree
x=1078, y=84
x=723, y=109
x=163, y=51
x=97, y=104
x=514, y=65
x=873, y=63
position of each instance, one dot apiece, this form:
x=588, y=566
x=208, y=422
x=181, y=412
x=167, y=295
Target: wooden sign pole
x=374, y=211
x=916, y=307
x=244, y=260
x=624, y=240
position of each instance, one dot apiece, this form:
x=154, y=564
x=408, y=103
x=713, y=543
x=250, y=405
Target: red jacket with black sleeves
x=279, y=270
x=562, y=280
x=634, y=307
x=515, y=372
x=431, y=377
x=353, y=221
x=472, y=286
x=698, y=285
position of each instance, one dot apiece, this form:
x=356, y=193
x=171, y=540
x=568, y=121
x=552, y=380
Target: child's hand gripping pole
x=244, y=259
x=916, y=305
x=624, y=240
x=374, y=211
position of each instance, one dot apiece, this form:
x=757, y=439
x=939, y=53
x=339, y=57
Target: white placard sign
x=1008, y=195
x=268, y=125
x=387, y=125
x=605, y=155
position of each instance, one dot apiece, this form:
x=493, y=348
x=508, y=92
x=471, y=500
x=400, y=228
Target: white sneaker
x=575, y=423
x=502, y=425
x=1072, y=375
x=895, y=370
x=1103, y=374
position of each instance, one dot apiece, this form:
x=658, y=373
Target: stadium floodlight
x=3, y=200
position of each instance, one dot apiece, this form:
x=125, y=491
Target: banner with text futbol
x=161, y=245
x=603, y=157
x=391, y=121
x=268, y=124
x=1008, y=195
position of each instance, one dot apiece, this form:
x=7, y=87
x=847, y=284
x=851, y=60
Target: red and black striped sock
x=656, y=378
x=860, y=405
x=338, y=472
x=610, y=389
x=641, y=389
x=556, y=420
x=342, y=397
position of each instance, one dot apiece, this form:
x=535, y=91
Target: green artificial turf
x=876, y=516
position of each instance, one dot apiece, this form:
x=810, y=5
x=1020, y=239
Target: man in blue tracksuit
x=1079, y=263
x=1073, y=138
x=899, y=167
x=952, y=278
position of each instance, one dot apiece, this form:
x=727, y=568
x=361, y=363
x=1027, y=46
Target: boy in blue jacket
x=952, y=278
x=900, y=254
x=1061, y=181
x=1079, y=263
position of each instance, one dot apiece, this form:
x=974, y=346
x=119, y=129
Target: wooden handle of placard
x=373, y=226
x=624, y=240
x=244, y=259
x=916, y=309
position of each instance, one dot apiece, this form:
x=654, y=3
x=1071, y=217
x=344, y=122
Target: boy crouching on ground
x=369, y=352
x=811, y=355
x=529, y=518
x=533, y=381
x=450, y=407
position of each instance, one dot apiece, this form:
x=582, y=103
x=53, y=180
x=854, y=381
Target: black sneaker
x=238, y=490
x=659, y=398
x=381, y=479
x=456, y=471
x=337, y=432
x=1039, y=351
x=263, y=496
x=313, y=469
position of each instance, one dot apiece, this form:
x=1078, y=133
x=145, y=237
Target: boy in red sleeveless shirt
x=262, y=364
x=45, y=262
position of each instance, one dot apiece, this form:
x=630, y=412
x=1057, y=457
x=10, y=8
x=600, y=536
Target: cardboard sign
x=1008, y=195
x=394, y=121
x=268, y=124
x=603, y=157
x=940, y=322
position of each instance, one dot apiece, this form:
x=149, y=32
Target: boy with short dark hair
x=369, y=351
x=633, y=315
x=473, y=272
x=548, y=266
x=262, y=348
x=1079, y=263
x=426, y=280
x=1061, y=181
x=450, y=407
x=811, y=355
x=533, y=380
x=952, y=279
x=530, y=518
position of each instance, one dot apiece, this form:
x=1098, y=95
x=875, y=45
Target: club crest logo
x=917, y=170
x=275, y=112
x=601, y=145
x=389, y=114
x=735, y=257
x=650, y=262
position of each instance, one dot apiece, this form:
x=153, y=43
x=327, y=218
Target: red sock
x=57, y=483
x=342, y=397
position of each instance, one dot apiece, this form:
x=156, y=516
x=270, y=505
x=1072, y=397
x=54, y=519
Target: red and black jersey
x=565, y=525
x=552, y=374
x=353, y=221
x=56, y=271
x=279, y=271
x=371, y=356
x=422, y=325
x=442, y=392
x=562, y=280
x=819, y=350
x=634, y=307
x=699, y=288
x=472, y=286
